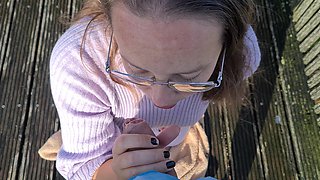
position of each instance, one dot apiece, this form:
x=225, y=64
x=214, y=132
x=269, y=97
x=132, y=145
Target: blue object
x=207, y=178
x=154, y=175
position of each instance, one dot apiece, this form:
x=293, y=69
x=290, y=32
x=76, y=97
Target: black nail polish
x=170, y=164
x=166, y=154
x=154, y=141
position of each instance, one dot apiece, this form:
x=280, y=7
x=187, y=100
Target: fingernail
x=170, y=164
x=154, y=141
x=166, y=154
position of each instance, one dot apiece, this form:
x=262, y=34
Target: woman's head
x=178, y=40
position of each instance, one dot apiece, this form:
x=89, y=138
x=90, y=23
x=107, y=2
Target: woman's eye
x=132, y=70
x=137, y=71
x=141, y=72
x=188, y=79
x=191, y=79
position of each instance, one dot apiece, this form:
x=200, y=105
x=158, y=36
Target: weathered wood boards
x=277, y=137
x=28, y=30
x=307, y=24
x=303, y=128
x=16, y=70
x=41, y=115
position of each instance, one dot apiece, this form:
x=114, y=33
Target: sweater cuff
x=88, y=169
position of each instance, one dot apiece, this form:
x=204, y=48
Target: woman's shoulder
x=80, y=33
x=77, y=71
x=83, y=44
x=79, y=57
x=252, y=52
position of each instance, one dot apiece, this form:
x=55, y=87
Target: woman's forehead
x=178, y=42
x=167, y=28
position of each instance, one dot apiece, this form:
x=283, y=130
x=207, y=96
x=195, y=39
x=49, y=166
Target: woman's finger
x=168, y=135
x=142, y=157
x=127, y=142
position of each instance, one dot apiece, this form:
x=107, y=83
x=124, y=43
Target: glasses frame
x=209, y=85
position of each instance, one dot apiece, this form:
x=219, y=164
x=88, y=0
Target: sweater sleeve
x=252, y=52
x=82, y=97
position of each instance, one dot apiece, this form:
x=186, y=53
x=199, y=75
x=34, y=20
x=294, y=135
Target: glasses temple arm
x=108, y=56
x=221, y=70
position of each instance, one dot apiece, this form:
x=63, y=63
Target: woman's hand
x=137, y=153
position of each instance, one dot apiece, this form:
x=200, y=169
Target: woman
x=161, y=61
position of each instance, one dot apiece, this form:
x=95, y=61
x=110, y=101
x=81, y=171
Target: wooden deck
x=307, y=25
x=276, y=137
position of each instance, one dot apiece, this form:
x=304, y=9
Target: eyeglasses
x=192, y=87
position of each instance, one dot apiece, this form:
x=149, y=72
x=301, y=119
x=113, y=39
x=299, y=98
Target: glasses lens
x=191, y=87
x=133, y=79
x=182, y=87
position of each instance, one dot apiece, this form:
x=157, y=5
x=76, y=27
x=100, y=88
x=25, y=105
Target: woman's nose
x=163, y=96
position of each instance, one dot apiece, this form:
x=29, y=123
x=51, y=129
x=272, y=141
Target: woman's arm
x=82, y=100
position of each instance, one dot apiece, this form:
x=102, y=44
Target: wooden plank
x=6, y=15
x=15, y=82
x=219, y=148
x=254, y=154
x=276, y=147
x=266, y=158
x=272, y=154
x=313, y=66
x=315, y=51
x=246, y=157
x=230, y=156
x=279, y=137
x=239, y=141
x=276, y=150
x=310, y=40
x=315, y=93
x=314, y=7
x=303, y=135
x=307, y=29
x=299, y=109
x=42, y=116
x=307, y=132
x=317, y=109
x=300, y=9
x=314, y=80
x=6, y=10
